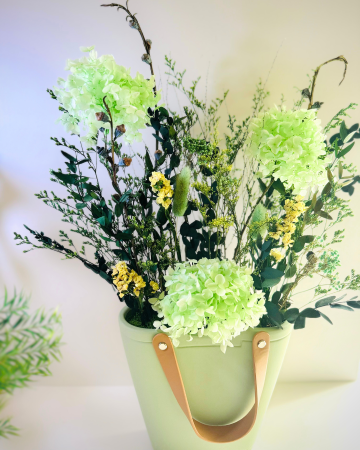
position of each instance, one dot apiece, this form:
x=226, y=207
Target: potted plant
x=208, y=245
x=28, y=345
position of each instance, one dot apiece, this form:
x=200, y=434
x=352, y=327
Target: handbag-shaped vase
x=195, y=397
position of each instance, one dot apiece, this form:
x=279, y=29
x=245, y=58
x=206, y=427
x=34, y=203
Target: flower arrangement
x=217, y=233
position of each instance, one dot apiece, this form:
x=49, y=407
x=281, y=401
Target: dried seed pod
x=146, y=58
x=306, y=93
x=133, y=23
x=102, y=117
x=317, y=105
x=101, y=151
x=311, y=257
x=149, y=43
x=121, y=129
x=158, y=154
x=127, y=161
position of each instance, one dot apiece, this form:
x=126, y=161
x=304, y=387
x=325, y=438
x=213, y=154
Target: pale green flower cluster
x=209, y=298
x=93, y=78
x=289, y=145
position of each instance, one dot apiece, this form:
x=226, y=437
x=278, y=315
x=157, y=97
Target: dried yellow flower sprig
x=161, y=185
x=154, y=286
x=123, y=278
x=287, y=226
x=276, y=254
x=222, y=222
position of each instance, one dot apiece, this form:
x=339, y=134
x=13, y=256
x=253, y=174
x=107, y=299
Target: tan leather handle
x=211, y=433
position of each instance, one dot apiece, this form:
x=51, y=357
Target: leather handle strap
x=212, y=433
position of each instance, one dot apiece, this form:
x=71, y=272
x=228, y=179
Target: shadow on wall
x=291, y=392
x=10, y=197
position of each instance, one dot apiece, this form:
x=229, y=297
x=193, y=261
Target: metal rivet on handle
x=261, y=344
x=162, y=346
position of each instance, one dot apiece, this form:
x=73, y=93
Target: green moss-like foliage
x=181, y=192
x=135, y=320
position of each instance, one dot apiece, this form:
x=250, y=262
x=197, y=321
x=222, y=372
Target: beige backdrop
x=230, y=44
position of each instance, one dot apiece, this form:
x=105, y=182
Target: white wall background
x=231, y=44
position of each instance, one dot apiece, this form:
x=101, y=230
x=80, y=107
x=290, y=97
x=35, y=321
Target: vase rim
x=147, y=334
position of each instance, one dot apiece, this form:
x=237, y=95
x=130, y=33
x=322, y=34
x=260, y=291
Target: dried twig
x=146, y=42
x=316, y=73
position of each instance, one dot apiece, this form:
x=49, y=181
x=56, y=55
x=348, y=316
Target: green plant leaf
x=279, y=186
x=148, y=163
x=354, y=304
x=324, y=316
x=346, y=150
x=318, y=205
x=125, y=196
x=80, y=205
x=155, y=123
x=102, y=221
x=161, y=160
x=274, y=313
x=158, y=138
x=281, y=265
x=327, y=189
x=270, y=273
x=270, y=282
x=339, y=306
x=163, y=111
x=276, y=297
x=71, y=166
x=291, y=271
x=122, y=254
x=68, y=156
x=164, y=132
x=90, y=187
x=119, y=209
x=310, y=313
x=299, y=323
x=65, y=177
x=343, y=130
x=298, y=245
x=105, y=276
x=291, y=315
x=325, y=301
x=174, y=161
x=307, y=238
x=161, y=216
x=324, y=215
x=257, y=282
x=301, y=241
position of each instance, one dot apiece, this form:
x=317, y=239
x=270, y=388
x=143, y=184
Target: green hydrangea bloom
x=90, y=80
x=209, y=298
x=289, y=145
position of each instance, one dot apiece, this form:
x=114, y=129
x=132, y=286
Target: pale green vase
x=219, y=387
